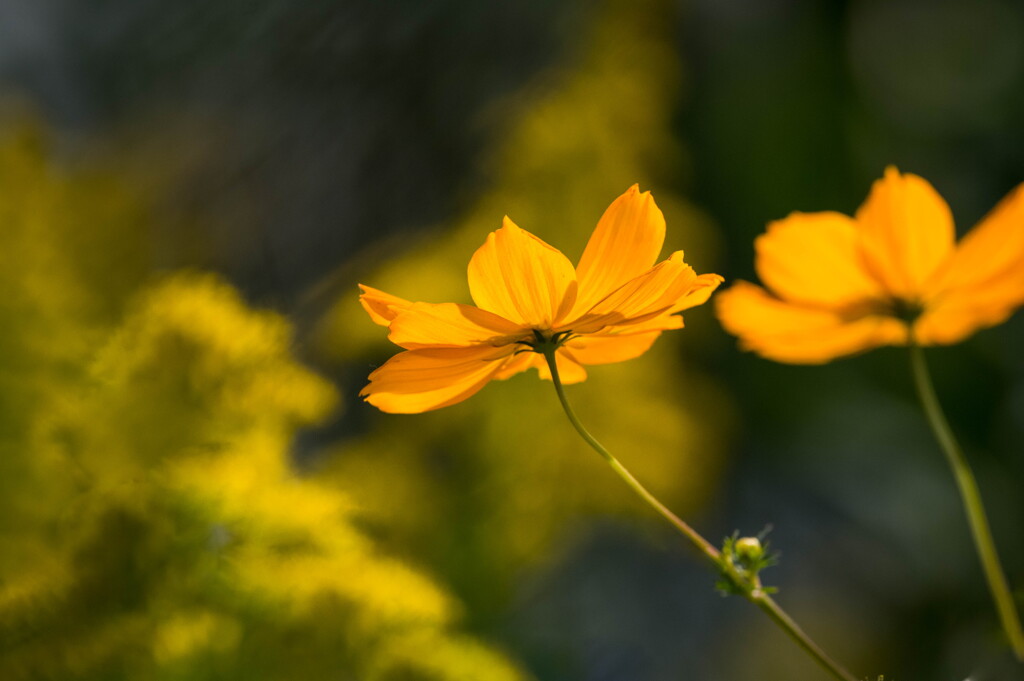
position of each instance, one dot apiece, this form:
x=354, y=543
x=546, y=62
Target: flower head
x=837, y=285
x=609, y=308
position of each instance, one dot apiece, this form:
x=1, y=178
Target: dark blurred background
x=301, y=146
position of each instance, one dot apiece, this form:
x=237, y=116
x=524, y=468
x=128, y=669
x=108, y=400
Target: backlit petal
x=906, y=233
x=382, y=307
x=609, y=349
x=521, y=278
x=421, y=380
x=652, y=293
x=450, y=325
x=625, y=244
x=983, y=282
x=815, y=258
x=791, y=333
x=518, y=364
x=662, y=322
x=703, y=286
x=963, y=312
x=620, y=343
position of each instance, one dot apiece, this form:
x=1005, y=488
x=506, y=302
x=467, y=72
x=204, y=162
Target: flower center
x=906, y=310
x=544, y=340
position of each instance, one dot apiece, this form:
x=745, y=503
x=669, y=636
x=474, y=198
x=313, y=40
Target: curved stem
x=971, y=497
x=756, y=595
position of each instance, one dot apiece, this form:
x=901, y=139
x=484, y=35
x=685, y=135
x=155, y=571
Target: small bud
x=748, y=549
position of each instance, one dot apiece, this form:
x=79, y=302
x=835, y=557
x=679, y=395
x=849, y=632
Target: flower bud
x=749, y=549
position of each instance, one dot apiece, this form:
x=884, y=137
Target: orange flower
x=609, y=308
x=838, y=285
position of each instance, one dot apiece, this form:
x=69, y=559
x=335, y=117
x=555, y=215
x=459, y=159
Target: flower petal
x=382, y=307
x=662, y=322
x=906, y=233
x=656, y=291
x=815, y=259
x=960, y=314
x=422, y=380
x=451, y=325
x=609, y=349
x=983, y=282
x=625, y=244
x=521, y=278
x=518, y=364
x=791, y=333
x=703, y=286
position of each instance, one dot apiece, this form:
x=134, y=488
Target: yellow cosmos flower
x=611, y=307
x=838, y=285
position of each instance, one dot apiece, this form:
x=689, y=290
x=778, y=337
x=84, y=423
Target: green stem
x=756, y=595
x=971, y=498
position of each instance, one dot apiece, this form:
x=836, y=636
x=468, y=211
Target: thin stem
x=786, y=623
x=971, y=497
x=756, y=595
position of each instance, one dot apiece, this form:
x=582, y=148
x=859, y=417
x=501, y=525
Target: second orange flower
x=837, y=285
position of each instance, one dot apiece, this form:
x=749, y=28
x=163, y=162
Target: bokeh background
x=190, y=487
